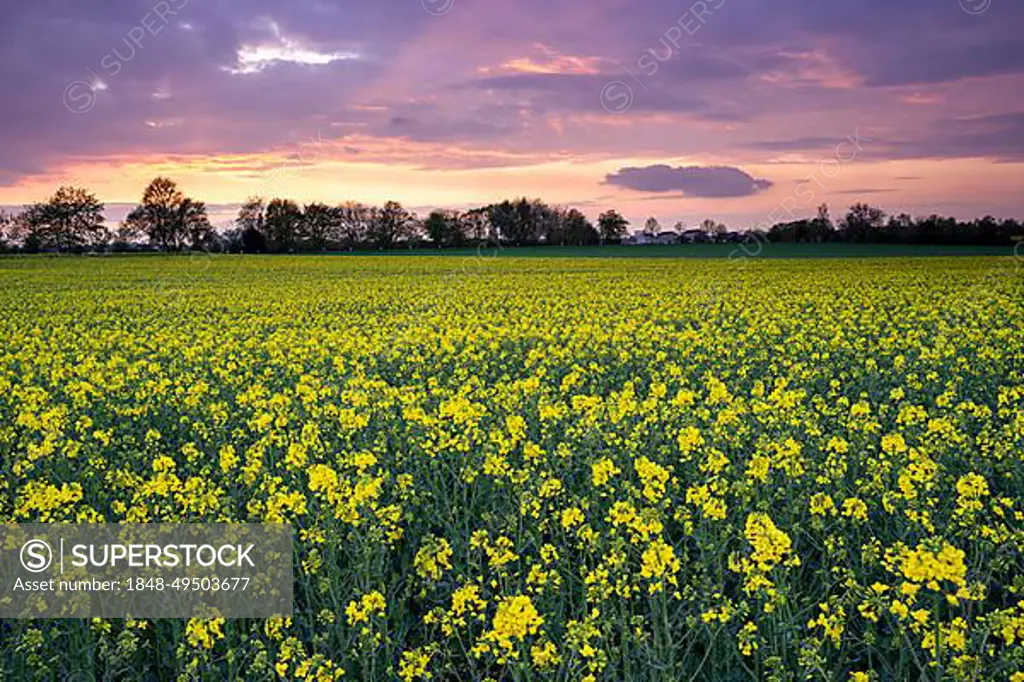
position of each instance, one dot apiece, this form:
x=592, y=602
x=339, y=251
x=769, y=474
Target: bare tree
x=354, y=221
x=391, y=224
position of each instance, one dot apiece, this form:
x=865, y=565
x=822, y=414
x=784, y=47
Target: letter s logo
x=36, y=556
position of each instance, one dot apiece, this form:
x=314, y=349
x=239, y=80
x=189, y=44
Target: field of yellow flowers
x=537, y=469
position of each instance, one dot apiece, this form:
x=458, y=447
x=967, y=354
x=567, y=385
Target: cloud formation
x=696, y=181
x=108, y=85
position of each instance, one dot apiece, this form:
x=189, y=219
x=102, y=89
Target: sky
x=745, y=111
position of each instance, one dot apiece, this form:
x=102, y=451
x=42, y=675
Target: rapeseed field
x=537, y=469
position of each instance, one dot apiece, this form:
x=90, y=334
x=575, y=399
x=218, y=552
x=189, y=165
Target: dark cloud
x=999, y=136
x=996, y=136
x=887, y=43
x=694, y=181
x=929, y=66
x=436, y=128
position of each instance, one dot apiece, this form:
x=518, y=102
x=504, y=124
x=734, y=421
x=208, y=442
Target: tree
x=522, y=221
x=7, y=230
x=168, y=218
x=195, y=224
x=824, y=218
x=821, y=228
x=935, y=229
x=71, y=219
x=900, y=228
x=353, y=225
x=445, y=228
x=283, y=223
x=652, y=227
x=476, y=225
x=231, y=240
x=576, y=229
x=460, y=229
x=11, y=229
x=390, y=225
x=251, y=225
x=547, y=224
x=319, y=223
x=784, y=232
x=712, y=229
x=124, y=236
x=983, y=231
x=1011, y=232
x=253, y=241
x=862, y=223
x=503, y=217
x=551, y=225
x=801, y=231
x=612, y=226
x=17, y=227
x=251, y=215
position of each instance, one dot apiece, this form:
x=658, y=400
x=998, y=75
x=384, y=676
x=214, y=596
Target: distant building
x=639, y=239
x=694, y=237
x=667, y=237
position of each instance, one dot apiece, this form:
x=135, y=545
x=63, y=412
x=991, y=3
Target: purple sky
x=727, y=108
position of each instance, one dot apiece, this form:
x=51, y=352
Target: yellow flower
x=571, y=517
x=770, y=545
x=923, y=565
x=515, y=619
x=659, y=561
x=362, y=609
x=433, y=558
x=275, y=627
x=467, y=599
x=413, y=665
x=228, y=458
x=602, y=471
x=689, y=440
x=653, y=476
x=970, y=488
x=545, y=656
x=203, y=633
x=747, y=640
x=830, y=621
x=855, y=508
x=822, y=505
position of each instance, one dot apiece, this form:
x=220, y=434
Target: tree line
x=864, y=223
x=72, y=220
x=282, y=226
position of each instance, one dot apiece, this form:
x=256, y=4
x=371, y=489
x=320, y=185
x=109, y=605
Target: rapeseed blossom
x=539, y=468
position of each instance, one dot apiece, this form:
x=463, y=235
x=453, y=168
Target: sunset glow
x=460, y=104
